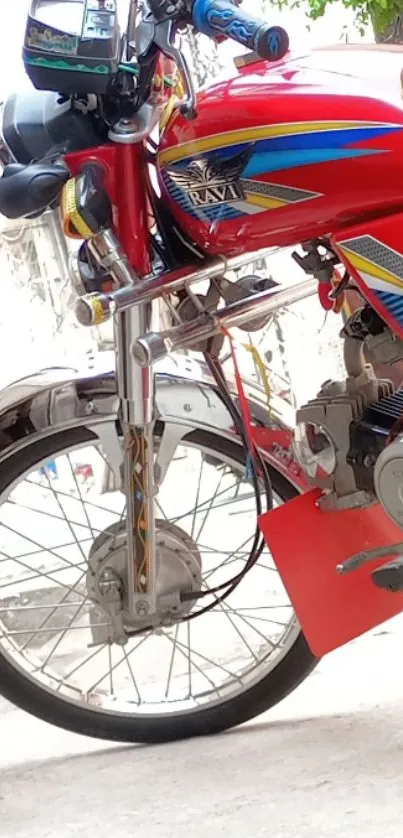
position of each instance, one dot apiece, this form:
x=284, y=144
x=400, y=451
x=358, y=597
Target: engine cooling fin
x=380, y=422
x=385, y=412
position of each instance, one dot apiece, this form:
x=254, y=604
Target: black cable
x=258, y=542
x=215, y=367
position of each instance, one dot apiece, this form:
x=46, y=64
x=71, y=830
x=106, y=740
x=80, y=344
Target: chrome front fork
x=135, y=387
x=136, y=393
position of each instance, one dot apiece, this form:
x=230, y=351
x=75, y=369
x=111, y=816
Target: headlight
x=315, y=450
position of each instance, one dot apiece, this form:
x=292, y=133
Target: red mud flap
x=307, y=544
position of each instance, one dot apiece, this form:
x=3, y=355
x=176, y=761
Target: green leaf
x=383, y=14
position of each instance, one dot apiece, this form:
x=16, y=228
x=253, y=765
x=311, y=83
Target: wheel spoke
x=65, y=629
x=46, y=514
x=190, y=693
x=228, y=560
x=38, y=574
x=77, y=611
x=171, y=662
x=79, y=665
x=65, y=517
x=209, y=508
x=130, y=668
x=119, y=663
x=8, y=558
x=228, y=613
x=241, y=554
x=266, y=607
x=202, y=505
x=62, y=494
x=181, y=648
x=228, y=610
x=41, y=547
x=261, y=620
x=56, y=606
x=81, y=497
x=111, y=670
x=213, y=663
x=192, y=531
x=20, y=608
x=160, y=509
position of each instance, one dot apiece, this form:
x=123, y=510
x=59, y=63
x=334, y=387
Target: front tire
x=27, y=689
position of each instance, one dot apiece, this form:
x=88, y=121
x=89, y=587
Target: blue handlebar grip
x=221, y=17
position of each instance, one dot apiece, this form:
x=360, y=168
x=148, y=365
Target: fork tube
x=136, y=394
x=136, y=388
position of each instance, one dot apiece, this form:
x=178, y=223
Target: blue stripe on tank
x=275, y=161
x=315, y=139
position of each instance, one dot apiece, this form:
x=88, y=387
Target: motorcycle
x=136, y=606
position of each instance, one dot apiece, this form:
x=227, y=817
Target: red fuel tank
x=278, y=155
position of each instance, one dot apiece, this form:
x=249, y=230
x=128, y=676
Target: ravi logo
x=208, y=184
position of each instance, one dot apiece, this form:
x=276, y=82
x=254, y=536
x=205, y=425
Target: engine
x=349, y=439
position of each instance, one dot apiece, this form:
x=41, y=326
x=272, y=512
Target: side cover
x=373, y=254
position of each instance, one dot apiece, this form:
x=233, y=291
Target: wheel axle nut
x=142, y=608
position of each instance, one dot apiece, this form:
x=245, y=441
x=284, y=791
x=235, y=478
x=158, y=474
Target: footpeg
x=389, y=576
x=358, y=559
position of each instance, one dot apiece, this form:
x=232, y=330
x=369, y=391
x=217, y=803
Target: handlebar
x=221, y=17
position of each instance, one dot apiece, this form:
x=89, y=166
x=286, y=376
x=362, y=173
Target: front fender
x=56, y=399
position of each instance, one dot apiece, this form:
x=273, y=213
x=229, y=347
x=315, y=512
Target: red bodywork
x=307, y=544
x=124, y=172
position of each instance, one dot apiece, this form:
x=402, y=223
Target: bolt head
x=142, y=609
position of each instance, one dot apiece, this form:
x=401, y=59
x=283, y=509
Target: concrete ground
x=327, y=762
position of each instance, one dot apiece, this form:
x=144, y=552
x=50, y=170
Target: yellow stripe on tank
x=365, y=266
x=259, y=132
x=262, y=201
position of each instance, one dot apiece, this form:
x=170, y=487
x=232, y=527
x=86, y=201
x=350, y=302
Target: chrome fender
x=57, y=399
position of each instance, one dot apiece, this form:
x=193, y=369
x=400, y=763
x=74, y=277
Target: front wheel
x=195, y=677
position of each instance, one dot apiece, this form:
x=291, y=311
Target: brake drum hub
x=178, y=571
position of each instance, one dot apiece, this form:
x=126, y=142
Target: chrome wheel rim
x=48, y=520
